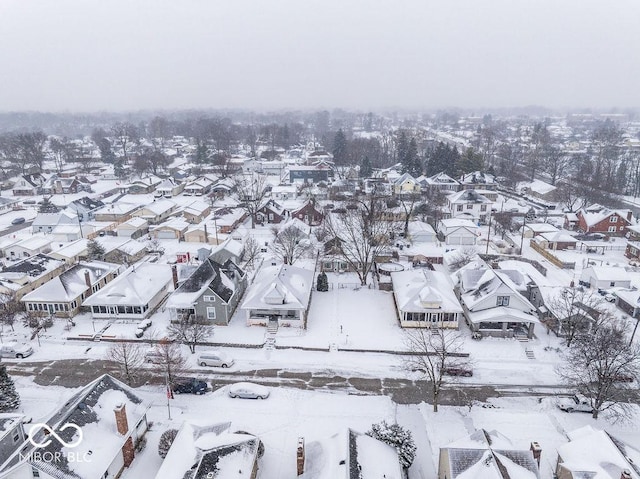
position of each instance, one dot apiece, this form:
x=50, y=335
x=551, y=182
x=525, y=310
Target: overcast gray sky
x=85, y=55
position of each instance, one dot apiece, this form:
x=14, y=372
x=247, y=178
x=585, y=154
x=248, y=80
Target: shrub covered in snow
x=166, y=440
x=398, y=437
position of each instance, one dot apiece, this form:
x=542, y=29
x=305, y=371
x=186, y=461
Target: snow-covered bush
x=398, y=437
x=165, y=442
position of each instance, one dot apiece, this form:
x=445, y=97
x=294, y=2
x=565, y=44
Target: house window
x=612, y=229
x=211, y=313
x=16, y=437
x=469, y=206
x=270, y=216
x=502, y=301
x=613, y=219
x=459, y=208
x=483, y=207
x=209, y=299
x=612, y=283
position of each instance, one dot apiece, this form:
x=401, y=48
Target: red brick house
x=609, y=222
x=308, y=214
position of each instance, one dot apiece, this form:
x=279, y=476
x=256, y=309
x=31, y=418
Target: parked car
x=458, y=371
x=190, y=386
x=248, y=391
x=18, y=221
x=575, y=403
x=143, y=325
x=215, y=358
x=15, y=350
x=153, y=356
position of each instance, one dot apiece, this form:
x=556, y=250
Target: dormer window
x=613, y=219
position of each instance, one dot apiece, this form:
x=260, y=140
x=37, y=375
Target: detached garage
x=458, y=232
x=173, y=229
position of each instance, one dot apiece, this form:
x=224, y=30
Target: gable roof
x=416, y=288
x=71, y=284
x=92, y=409
x=203, y=450
x=596, y=451
x=136, y=286
x=592, y=218
x=488, y=455
x=349, y=454
x=209, y=275
x=279, y=287
x=468, y=196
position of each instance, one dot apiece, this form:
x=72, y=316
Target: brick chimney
x=626, y=474
x=300, y=456
x=537, y=451
x=87, y=279
x=174, y=273
x=122, y=425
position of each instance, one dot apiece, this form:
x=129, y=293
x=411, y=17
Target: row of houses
x=112, y=418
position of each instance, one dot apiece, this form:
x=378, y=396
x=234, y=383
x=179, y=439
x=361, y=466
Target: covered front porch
x=502, y=322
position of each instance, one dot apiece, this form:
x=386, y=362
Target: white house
x=30, y=246
x=46, y=222
x=469, y=204
x=594, y=453
x=605, y=277
x=457, y=231
x=133, y=228
x=421, y=232
x=279, y=294
x=425, y=299
x=492, y=304
x=134, y=294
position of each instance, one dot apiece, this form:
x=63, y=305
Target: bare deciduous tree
x=361, y=234
x=251, y=251
x=462, y=258
x=290, y=244
x=129, y=357
x=602, y=366
x=577, y=311
x=433, y=353
x=251, y=190
x=9, y=309
x=190, y=331
x=171, y=359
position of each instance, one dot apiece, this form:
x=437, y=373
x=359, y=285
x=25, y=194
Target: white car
x=215, y=358
x=575, y=403
x=15, y=350
x=248, y=391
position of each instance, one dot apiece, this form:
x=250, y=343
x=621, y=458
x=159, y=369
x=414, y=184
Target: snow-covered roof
x=72, y=283
x=558, y=237
x=92, y=410
x=280, y=287
x=417, y=227
x=421, y=290
x=351, y=455
x=592, y=218
x=159, y=207
x=209, y=448
x=33, y=243
x=596, y=451
x=449, y=225
x=537, y=186
x=541, y=227
x=489, y=455
x=136, y=222
x=468, y=196
x=136, y=286
x=501, y=314
x=606, y=273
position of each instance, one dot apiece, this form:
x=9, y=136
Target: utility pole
x=488, y=234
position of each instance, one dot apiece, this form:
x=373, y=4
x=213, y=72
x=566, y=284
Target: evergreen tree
x=9, y=398
x=365, y=167
x=95, y=251
x=403, y=147
x=47, y=206
x=411, y=162
x=340, y=150
x=166, y=440
x=322, y=283
x=397, y=437
x=471, y=161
